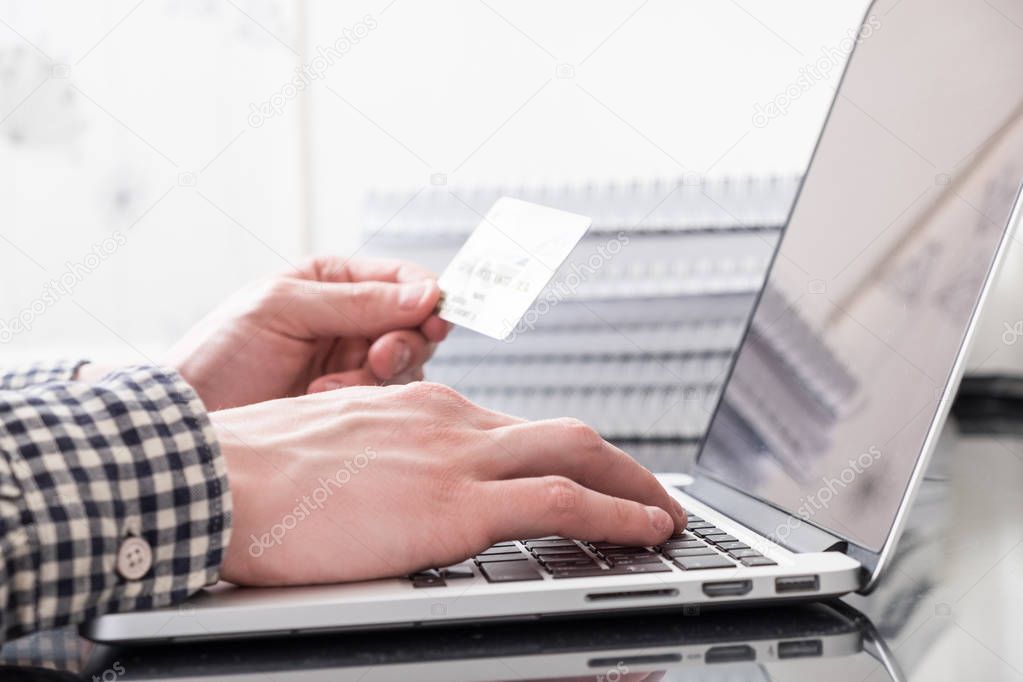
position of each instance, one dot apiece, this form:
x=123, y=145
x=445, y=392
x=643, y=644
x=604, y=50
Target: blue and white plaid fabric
x=85, y=465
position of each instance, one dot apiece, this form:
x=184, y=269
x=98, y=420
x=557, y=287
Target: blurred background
x=159, y=154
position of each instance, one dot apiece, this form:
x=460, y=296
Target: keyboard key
x=695, y=551
x=629, y=559
x=758, y=561
x=510, y=571
x=718, y=539
x=703, y=532
x=623, y=555
x=697, y=563
x=509, y=543
x=624, y=551
x=729, y=546
x=683, y=544
x=743, y=553
x=457, y=571
x=567, y=560
x=500, y=550
x=558, y=562
x=558, y=551
x=428, y=578
x=428, y=573
x=693, y=517
x=578, y=571
x=497, y=558
x=550, y=543
x=630, y=569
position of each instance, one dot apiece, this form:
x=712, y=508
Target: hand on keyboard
x=369, y=482
x=702, y=546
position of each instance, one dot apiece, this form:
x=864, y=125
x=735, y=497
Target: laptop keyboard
x=701, y=546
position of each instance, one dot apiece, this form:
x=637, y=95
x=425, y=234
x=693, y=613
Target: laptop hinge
x=789, y=531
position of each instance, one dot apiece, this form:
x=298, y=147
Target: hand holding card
x=505, y=264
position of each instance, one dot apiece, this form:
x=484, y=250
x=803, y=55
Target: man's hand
x=329, y=324
x=371, y=482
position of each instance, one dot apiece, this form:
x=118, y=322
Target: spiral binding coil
x=640, y=342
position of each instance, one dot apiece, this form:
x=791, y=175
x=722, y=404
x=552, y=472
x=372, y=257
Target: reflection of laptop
x=840, y=387
x=782, y=642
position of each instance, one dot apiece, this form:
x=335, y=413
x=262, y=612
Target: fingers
x=569, y=448
x=360, y=377
x=406, y=377
x=387, y=270
x=435, y=329
x=331, y=382
x=347, y=353
x=554, y=505
x=367, y=309
x=332, y=270
x=339, y=270
x=399, y=352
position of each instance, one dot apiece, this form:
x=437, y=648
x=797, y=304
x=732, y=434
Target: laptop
x=784, y=642
x=836, y=396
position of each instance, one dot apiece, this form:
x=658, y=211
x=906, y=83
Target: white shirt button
x=134, y=558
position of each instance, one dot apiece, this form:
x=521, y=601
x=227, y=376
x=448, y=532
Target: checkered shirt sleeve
x=39, y=373
x=84, y=466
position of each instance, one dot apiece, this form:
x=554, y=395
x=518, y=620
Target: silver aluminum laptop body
x=845, y=375
x=715, y=646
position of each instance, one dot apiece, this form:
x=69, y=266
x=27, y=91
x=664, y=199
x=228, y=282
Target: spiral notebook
x=635, y=332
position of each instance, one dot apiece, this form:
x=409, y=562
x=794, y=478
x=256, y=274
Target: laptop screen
x=867, y=304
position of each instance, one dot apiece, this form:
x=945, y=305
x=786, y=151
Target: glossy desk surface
x=950, y=608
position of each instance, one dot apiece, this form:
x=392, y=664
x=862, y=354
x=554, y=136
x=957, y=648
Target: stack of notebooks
x=636, y=331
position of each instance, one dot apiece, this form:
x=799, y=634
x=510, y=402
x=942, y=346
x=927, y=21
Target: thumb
x=368, y=309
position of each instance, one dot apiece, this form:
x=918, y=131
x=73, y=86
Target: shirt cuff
x=90, y=465
x=39, y=373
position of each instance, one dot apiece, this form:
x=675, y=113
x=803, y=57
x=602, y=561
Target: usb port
x=797, y=583
x=728, y=588
x=800, y=648
x=730, y=653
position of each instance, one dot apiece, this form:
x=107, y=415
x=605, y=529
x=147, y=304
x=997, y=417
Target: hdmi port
x=728, y=588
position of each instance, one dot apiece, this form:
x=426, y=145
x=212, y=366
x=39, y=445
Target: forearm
x=87, y=465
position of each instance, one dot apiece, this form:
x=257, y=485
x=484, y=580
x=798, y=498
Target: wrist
x=247, y=474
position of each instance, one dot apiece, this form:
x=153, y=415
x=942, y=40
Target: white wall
x=107, y=107
x=472, y=90
x=130, y=117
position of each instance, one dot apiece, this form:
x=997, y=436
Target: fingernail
x=402, y=358
x=332, y=385
x=411, y=294
x=660, y=520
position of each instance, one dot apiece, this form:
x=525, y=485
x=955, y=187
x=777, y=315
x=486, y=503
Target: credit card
x=506, y=262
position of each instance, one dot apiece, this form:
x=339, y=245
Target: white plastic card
x=506, y=262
